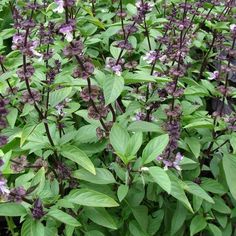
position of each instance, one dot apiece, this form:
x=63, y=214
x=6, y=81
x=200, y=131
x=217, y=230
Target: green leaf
x=154, y=148
x=134, y=144
x=119, y=138
x=27, y=130
x=178, y=218
x=32, y=228
x=144, y=126
x=112, y=88
x=215, y=230
x=63, y=217
x=140, y=77
x=141, y=215
x=161, y=178
x=102, y=176
x=220, y=205
x=88, y=197
x=101, y=217
x=122, y=192
x=194, y=145
x=212, y=186
x=12, y=209
x=178, y=192
x=198, y=191
x=155, y=223
x=229, y=165
x=59, y=95
x=198, y=223
x=12, y=116
x=200, y=124
x=39, y=179
x=76, y=155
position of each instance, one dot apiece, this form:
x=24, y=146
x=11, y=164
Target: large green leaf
x=112, y=88
x=63, y=217
x=12, y=209
x=103, y=176
x=88, y=197
x=229, y=165
x=76, y=155
x=161, y=178
x=154, y=148
x=101, y=217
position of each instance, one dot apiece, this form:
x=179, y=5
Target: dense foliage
x=117, y=117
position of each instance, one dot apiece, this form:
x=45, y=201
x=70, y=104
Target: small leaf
x=154, y=148
x=63, y=217
x=198, y=223
x=87, y=197
x=122, y=192
x=160, y=177
x=76, y=155
x=112, y=88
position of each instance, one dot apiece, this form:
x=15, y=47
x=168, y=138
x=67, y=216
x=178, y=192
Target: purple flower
x=17, y=194
x=18, y=38
x=4, y=191
x=214, y=75
x=144, y=7
x=35, y=53
x=172, y=163
x=167, y=164
x=233, y=28
x=67, y=31
x=178, y=158
x=150, y=57
x=60, y=6
x=117, y=69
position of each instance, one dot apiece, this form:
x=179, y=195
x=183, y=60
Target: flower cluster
x=3, y=122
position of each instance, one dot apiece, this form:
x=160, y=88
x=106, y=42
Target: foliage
x=117, y=117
